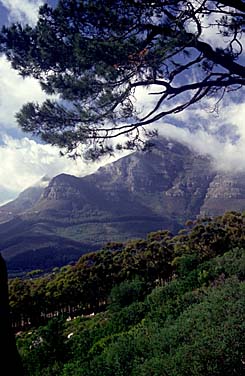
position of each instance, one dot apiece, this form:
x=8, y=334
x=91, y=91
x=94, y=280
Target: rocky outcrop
x=169, y=180
x=226, y=192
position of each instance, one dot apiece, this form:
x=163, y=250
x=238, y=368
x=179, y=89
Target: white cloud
x=24, y=162
x=24, y=11
x=227, y=155
x=235, y=115
x=14, y=92
x=220, y=134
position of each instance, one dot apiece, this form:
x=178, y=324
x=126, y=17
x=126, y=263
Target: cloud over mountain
x=26, y=160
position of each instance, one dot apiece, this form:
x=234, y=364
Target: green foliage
x=207, y=338
x=139, y=265
x=190, y=323
x=127, y=317
x=185, y=264
x=126, y=293
x=44, y=348
x=35, y=273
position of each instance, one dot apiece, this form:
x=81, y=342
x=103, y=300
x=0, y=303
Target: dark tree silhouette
x=93, y=56
x=10, y=363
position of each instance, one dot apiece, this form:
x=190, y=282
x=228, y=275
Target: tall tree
x=10, y=363
x=93, y=57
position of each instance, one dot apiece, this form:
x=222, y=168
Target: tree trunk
x=10, y=363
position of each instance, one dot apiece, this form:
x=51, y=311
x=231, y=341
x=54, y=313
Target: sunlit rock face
x=225, y=192
x=167, y=181
x=137, y=194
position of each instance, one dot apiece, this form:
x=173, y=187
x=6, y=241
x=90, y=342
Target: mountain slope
x=139, y=193
x=26, y=200
x=6, y=195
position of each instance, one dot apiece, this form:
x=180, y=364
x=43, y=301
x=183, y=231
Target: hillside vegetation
x=167, y=305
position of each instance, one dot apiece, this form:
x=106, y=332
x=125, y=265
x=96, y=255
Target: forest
x=165, y=305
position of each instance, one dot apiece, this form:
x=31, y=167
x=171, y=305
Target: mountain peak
x=142, y=192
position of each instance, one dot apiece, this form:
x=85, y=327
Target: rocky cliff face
x=170, y=180
x=137, y=194
x=226, y=192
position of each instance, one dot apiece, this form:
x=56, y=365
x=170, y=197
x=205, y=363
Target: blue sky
x=24, y=160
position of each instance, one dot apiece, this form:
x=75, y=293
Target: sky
x=24, y=160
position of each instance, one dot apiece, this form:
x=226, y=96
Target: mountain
x=226, y=192
x=137, y=194
x=26, y=200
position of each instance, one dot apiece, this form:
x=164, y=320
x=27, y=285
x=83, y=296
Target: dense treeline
x=192, y=324
x=84, y=287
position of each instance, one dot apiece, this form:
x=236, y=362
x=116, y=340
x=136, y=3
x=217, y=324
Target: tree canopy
x=165, y=305
x=92, y=57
